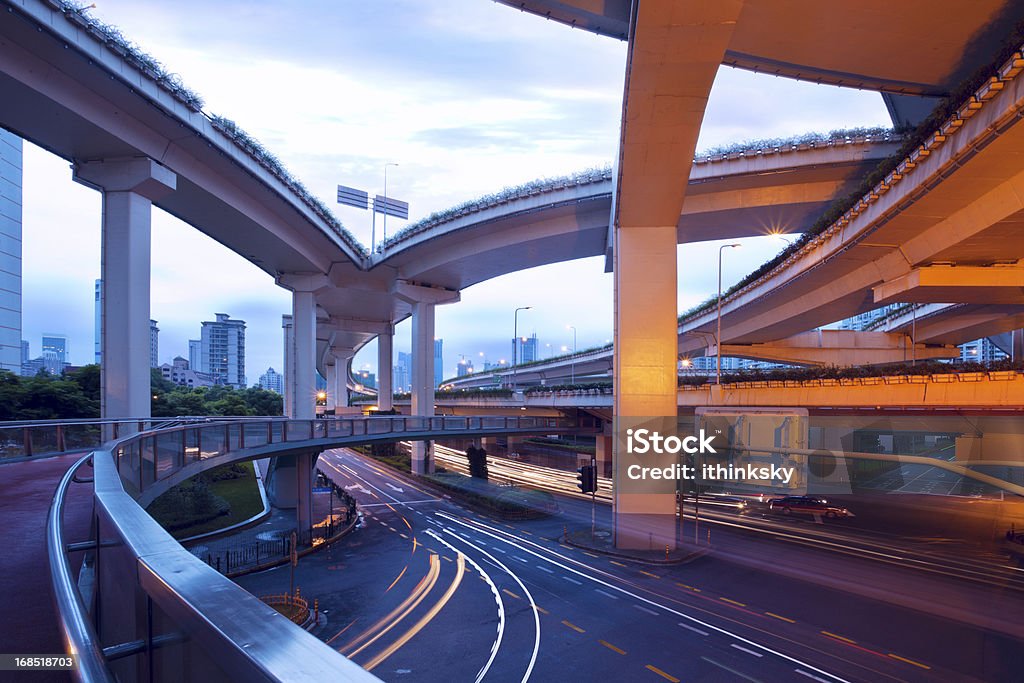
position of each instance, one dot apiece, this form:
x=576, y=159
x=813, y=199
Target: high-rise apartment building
x=154, y=344
x=527, y=349
x=438, y=361
x=402, y=378
x=271, y=380
x=10, y=251
x=55, y=353
x=97, y=315
x=222, y=350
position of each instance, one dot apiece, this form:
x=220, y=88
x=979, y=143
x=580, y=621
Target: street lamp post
x=572, y=365
x=718, y=323
x=515, y=342
x=390, y=163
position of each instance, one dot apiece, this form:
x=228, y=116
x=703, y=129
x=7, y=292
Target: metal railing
x=151, y=611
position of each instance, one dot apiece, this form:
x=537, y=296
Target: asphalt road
x=426, y=590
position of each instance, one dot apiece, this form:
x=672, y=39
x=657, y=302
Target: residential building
x=154, y=344
x=195, y=354
x=222, y=350
x=272, y=380
x=10, y=251
x=181, y=374
x=981, y=351
x=528, y=349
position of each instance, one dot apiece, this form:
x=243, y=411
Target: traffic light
x=586, y=479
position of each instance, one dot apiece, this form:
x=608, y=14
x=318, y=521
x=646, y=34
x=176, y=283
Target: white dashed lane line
x=749, y=652
x=606, y=594
x=572, y=580
x=691, y=628
x=649, y=611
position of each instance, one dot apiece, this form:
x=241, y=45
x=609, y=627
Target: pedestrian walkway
x=27, y=613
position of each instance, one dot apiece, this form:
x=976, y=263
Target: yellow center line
x=653, y=576
x=667, y=677
x=733, y=602
x=407, y=523
x=591, y=554
x=567, y=547
x=909, y=661
x=683, y=585
x=508, y=592
x=839, y=637
x=542, y=610
x=779, y=616
x=611, y=647
x=619, y=564
x=573, y=626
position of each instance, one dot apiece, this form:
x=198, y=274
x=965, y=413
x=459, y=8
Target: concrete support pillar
x=288, y=329
x=332, y=380
x=304, y=380
x=385, y=345
x=675, y=49
x=339, y=387
x=129, y=187
x=422, y=380
x=423, y=300
x=603, y=454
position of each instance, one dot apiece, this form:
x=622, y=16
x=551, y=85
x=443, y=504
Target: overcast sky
x=467, y=96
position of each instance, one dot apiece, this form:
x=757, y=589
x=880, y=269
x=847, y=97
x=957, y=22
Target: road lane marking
x=749, y=652
x=618, y=564
x=731, y=670
x=606, y=594
x=591, y=554
x=649, y=611
x=691, y=628
x=733, y=602
x=811, y=676
x=403, y=536
x=573, y=626
x=612, y=647
x=542, y=610
x=516, y=557
x=497, y=599
x=909, y=661
x=839, y=637
x=529, y=597
x=667, y=677
x=572, y=580
x=510, y=593
x=544, y=569
x=684, y=585
x=493, y=533
x=779, y=616
x=653, y=576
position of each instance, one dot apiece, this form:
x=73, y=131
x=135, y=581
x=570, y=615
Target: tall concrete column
x=342, y=358
x=304, y=380
x=288, y=327
x=129, y=187
x=385, y=344
x=423, y=300
x=332, y=381
x=422, y=380
x=675, y=49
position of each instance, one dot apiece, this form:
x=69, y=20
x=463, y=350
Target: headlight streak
x=497, y=599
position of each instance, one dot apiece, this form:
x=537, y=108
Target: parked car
x=807, y=505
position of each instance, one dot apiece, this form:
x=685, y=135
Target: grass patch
x=211, y=501
x=509, y=503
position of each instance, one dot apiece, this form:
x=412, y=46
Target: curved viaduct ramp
x=866, y=44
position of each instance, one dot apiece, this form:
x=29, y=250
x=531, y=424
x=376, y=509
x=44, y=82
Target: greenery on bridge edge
x=76, y=394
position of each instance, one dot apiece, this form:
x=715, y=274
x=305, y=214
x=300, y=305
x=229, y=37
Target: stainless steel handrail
x=76, y=628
